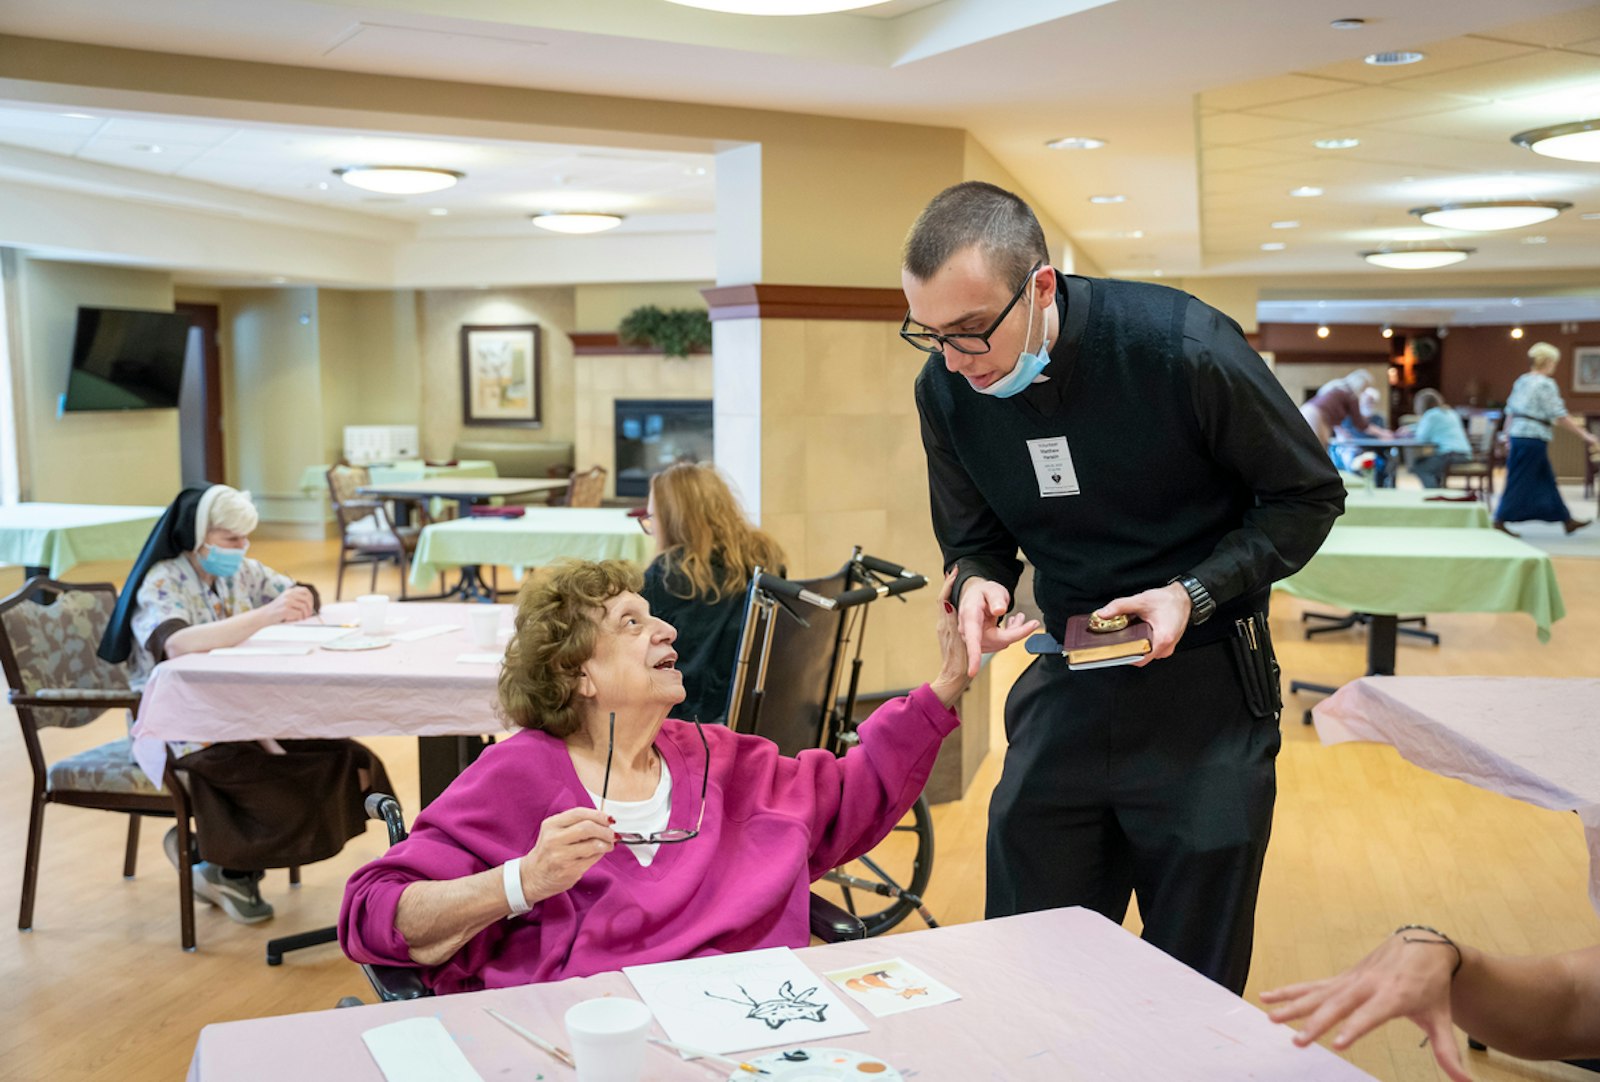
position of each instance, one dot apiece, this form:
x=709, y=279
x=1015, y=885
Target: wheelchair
x=801, y=642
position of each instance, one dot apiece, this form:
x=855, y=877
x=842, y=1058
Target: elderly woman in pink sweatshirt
x=605, y=833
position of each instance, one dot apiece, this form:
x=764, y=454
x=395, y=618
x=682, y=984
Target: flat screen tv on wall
x=124, y=359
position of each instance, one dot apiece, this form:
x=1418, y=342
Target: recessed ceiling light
x=778, y=7
x=1516, y=332
x=398, y=179
x=694, y=171
x=1590, y=216
x=1419, y=258
x=1076, y=142
x=1576, y=142
x=1305, y=191
x=77, y=116
x=1286, y=224
x=1336, y=144
x=1536, y=239
x=1348, y=24
x=438, y=212
x=277, y=279
x=1274, y=246
x=1323, y=331
x=1490, y=215
x=148, y=148
x=1107, y=199
x=1130, y=234
x=577, y=222
x=1392, y=60
x=1388, y=331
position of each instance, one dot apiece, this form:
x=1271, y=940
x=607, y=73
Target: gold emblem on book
x=1104, y=625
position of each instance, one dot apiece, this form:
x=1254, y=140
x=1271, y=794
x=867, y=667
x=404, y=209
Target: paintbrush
x=560, y=1054
x=699, y=1053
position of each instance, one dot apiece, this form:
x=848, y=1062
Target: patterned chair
x=49, y=632
x=586, y=488
x=367, y=532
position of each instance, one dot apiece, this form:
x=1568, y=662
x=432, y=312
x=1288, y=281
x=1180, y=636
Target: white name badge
x=1052, y=462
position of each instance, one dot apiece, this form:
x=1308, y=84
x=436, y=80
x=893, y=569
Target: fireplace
x=652, y=434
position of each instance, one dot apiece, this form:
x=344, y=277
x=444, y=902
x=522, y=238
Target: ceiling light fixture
x=1388, y=331
x=1490, y=215
x=1576, y=142
x=438, y=212
x=398, y=179
x=1516, y=332
x=1591, y=216
x=1286, y=224
x=1537, y=238
x=778, y=7
x=1104, y=199
x=148, y=148
x=1393, y=60
x=1348, y=24
x=576, y=221
x=1336, y=144
x=77, y=116
x=1305, y=191
x=1419, y=258
x=1075, y=142
x=1323, y=332
x=1274, y=246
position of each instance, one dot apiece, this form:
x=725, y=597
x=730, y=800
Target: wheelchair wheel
x=886, y=885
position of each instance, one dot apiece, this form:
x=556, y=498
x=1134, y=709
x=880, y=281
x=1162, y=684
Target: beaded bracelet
x=1442, y=941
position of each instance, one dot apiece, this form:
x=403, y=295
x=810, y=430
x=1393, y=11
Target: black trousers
x=1154, y=781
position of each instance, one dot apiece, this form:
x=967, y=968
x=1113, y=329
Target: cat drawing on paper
x=881, y=981
x=788, y=1006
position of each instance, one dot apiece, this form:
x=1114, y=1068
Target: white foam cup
x=608, y=1038
x=484, y=622
x=374, y=610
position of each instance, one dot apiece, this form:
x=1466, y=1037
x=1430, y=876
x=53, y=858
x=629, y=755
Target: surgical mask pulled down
x=1029, y=365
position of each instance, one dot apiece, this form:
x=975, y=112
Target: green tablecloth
x=1390, y=570
x=61, y=535
x=541, y=536
x=1410, y=507
x=315, y=479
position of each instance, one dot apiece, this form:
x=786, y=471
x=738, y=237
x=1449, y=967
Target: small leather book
x=1097, y=649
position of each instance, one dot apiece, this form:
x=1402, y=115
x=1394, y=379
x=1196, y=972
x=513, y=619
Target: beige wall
x=601, y=379
x=442, y=313
x=371, y=362
x=126, y=457
x=601, y=307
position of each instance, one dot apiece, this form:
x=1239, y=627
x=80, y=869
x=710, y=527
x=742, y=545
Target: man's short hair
x=975, y=213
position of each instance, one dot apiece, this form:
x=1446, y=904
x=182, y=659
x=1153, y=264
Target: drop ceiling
x=1209, y=110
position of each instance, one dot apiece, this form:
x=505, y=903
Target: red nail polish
x=949, y=607
x=616, y=837
x=610, y=820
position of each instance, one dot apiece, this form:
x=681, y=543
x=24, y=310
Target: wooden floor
x=1362, y=842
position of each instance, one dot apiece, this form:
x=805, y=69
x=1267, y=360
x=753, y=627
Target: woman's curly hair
x=558, y=619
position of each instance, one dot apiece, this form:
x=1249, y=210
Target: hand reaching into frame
x=982, y=604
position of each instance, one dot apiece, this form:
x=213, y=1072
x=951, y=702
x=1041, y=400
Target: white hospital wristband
x=513, y=881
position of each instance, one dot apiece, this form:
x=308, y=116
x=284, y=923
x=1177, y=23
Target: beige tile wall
x=601, y=379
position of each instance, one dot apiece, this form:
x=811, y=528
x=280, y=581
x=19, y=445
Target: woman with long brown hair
x=706, y=551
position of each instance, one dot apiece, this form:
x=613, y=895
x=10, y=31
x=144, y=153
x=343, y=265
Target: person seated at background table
x=256, y=805
x=1368, y=418
x=1441, y=426
x=1533, y=1008
x=1533, y=409
x=706, y=551
x=1339, y=400
x=611, y=835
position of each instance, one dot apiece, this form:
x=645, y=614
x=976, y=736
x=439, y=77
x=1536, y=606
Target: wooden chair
x=48, y=635
x=1477, y=474
x=586, y=489
x=1591, y=462
x=367, y=532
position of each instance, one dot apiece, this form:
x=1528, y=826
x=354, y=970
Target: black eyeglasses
x=973, y=344
x=660, y=837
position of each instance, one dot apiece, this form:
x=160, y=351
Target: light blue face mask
x=221, y=562
x=1029, y=365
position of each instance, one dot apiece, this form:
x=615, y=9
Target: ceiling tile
x=1268, y=91
x=1225, y=158
x=1441, y=56
x=1230, y=129
x=1553, y=31
x=1520, y=76
x=1362, y=106
x=1592, y=46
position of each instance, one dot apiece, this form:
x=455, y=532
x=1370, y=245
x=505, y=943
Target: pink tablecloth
x=1063, y=994
x=1533, y=739
x=408, y=688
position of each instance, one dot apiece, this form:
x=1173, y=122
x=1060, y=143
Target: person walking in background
x=1533, y=411
x=1441, y=426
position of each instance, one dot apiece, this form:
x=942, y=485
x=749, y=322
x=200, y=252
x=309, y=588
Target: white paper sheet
x=312, y=633
x=424, y=632
x=261, y=651
x=418, y=1050
x=485, y=658
x=891, y=987
x=736, y=1002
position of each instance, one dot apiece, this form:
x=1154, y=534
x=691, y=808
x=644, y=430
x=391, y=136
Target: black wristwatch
x=1200, y=604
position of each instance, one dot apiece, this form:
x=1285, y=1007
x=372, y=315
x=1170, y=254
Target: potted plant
x=676, y=332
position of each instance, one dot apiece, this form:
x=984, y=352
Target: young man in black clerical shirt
x=1129, y=442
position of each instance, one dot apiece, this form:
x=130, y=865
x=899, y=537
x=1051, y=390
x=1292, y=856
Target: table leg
x=1381, y=635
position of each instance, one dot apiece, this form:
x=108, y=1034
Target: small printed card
x=418, y=1050
x=891, y=987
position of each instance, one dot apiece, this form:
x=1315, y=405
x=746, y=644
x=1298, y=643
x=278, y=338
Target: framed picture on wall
x=500, y=368
x=1586, y=369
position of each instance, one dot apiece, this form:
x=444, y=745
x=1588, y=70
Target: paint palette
x=820, y=1065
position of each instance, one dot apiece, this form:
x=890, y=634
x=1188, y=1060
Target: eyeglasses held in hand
x=670, y=835
x=929, y=342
